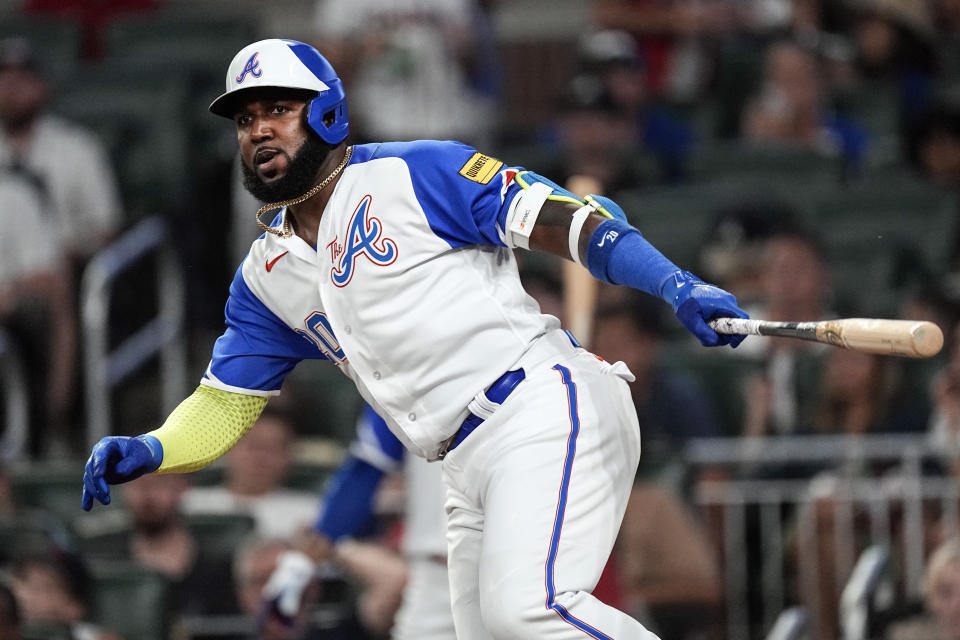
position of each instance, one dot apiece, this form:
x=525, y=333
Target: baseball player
x=347, y=508
x=395, y=262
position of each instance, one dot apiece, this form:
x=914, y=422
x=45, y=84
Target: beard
x=300, y=176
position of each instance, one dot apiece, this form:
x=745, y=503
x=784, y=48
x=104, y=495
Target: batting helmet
x=288, y=64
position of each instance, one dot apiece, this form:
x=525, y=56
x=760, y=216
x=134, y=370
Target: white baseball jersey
x=411, y=290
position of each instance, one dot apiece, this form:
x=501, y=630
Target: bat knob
x=927, y=338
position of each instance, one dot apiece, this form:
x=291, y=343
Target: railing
x=163, y=335
x=822, y=523
x=13, y=444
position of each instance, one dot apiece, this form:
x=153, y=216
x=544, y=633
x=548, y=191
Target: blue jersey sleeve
x=257, y=350
x=464, y=194
x=348, y=504
x=376, y=444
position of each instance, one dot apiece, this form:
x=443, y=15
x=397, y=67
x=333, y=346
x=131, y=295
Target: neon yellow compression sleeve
x=204, y=427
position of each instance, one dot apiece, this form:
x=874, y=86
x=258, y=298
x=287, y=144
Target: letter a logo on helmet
x=252, y=67
x=288, y=64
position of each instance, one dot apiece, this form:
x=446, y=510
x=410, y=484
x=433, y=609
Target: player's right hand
x=694, y=302
x=115, y=460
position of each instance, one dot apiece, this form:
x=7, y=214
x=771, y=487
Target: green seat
x=775, y=164
x=219, y=535
x=677, y=220
x=31, y=532
x=220, y=33
x=51, y=487
x=875, y=230
x=45, y=631
x=140, y=121
x=129, y=600
x=309, y=477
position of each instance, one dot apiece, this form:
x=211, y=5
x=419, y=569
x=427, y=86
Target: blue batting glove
x=115, y=460
x=694, y=301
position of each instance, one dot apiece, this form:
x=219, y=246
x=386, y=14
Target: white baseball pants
x=535, y=498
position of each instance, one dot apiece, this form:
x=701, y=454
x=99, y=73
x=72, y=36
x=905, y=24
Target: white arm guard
x=523, y=213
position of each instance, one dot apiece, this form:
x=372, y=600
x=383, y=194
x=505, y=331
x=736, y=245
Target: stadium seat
x=129, y=600
x=219, y=33
x=140, y=121
x=50, y=487
x=880, y=233
x=219, y=535
x=31, y=532
x=677, y=220
x=45, y=631
x=773, y=163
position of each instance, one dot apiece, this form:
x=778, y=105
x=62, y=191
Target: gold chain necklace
x=286, y=231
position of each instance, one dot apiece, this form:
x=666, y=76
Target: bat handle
x=735, y=326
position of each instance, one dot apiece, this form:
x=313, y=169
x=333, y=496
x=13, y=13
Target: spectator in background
x=944, y=427
x=160, y=540
x=612, y=56
x=55, y=588
x=935, y=148
x=670, y=405
x=254, y=562
x=895, y=55
x=732, y=251
x=256, y=469
x=37, y=310
x=671, y=35
x=942, y=588
x=671, y=578
x=796, y=287
x=791, y=109
x=425, y=59
x=67, y=163
x=9, y=614
x=596, y=138
x=378, y=570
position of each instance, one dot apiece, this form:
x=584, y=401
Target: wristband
x=618, y=254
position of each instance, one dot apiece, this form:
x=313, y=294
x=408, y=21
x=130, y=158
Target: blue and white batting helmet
x=288, y=64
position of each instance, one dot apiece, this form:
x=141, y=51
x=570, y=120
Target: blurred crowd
x=803, y=154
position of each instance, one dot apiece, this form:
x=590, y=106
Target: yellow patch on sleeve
x=480, y=168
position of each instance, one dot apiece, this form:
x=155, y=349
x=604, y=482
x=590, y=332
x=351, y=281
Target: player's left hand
x=117, y=459
x=694, y=301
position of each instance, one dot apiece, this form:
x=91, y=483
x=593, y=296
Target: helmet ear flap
x=330, y=122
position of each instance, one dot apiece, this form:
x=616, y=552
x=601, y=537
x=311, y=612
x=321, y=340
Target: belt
x=496, y=393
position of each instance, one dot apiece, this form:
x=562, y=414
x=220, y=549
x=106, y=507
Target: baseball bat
x=913, y=338
x=579, y=287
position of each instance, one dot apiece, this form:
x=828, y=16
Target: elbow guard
x=526, y=206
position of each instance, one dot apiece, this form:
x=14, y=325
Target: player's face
x=281, y=155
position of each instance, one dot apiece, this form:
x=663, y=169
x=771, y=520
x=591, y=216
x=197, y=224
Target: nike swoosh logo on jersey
x=270, y=263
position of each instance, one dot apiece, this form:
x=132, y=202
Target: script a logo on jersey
x=252, y=67
x=363, y=238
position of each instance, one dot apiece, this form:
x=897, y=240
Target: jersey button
x=348, y=329
x=376, y=375
x=412, y=417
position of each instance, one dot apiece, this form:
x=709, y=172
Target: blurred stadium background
x=804, y=154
